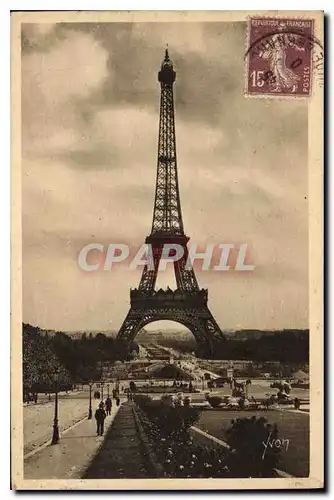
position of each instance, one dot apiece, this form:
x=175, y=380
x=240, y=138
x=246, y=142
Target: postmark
x=282, y=55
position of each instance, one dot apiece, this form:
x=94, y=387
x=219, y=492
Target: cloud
x=52, y=82
x=90, y=108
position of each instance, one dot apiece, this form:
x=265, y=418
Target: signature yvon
x=280, y=444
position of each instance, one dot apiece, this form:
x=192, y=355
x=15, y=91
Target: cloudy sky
x=90, y=104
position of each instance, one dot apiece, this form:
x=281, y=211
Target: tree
x=250, y=455
x=40, y=363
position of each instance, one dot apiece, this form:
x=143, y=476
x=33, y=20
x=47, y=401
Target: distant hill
x=250, y=334
x=182, y=335
x=154, y=336
x=78, y=334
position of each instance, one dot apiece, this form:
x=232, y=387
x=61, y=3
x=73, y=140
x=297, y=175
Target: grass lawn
x=291, y=425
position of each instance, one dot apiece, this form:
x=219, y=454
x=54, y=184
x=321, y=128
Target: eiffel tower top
x=167, y=74
x=167, y=218
x=166, y=63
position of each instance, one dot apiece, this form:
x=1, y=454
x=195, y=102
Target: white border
x=5, y=6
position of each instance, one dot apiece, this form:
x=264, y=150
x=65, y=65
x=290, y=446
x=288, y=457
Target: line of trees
x=41, y=365
x=285, y=346
x=75, y=360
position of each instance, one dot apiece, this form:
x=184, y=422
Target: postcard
x=167, y=325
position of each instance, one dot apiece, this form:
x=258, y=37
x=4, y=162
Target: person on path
x=297, y=403
x=108, y=404
x=100, y=416
x=118, y=401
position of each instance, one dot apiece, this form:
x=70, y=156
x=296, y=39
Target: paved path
x=122, y=454
x=38, y=419
x=71, y=456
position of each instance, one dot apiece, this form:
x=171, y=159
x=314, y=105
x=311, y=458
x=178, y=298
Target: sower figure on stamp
x=100, y=416
x=282, y=77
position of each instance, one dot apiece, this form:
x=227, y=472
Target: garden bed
x=182, y=458
x=169, y=430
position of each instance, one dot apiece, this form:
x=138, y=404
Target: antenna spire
x=167, y=74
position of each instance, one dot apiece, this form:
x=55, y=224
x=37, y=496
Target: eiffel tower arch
x=188, y=303
x=188, y=310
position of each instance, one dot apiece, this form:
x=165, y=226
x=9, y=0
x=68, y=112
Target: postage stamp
x=279, y=57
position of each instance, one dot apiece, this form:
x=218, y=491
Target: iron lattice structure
x=188, y=303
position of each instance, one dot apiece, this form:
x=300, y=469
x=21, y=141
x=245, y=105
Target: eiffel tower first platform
x=188, y=303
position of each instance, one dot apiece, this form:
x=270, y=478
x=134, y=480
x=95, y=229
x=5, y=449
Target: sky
x=90, y=112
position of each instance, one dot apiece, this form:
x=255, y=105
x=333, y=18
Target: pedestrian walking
x=297, y=403
x=108, y=405
x=100, y=416
x=118, y=401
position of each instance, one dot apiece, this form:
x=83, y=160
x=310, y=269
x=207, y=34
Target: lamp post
x=90, y=412
x=102, y=384
x=55, y=435
x=108, y=390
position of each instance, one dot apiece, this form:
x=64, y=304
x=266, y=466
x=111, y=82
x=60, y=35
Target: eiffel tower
x=188, y=303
